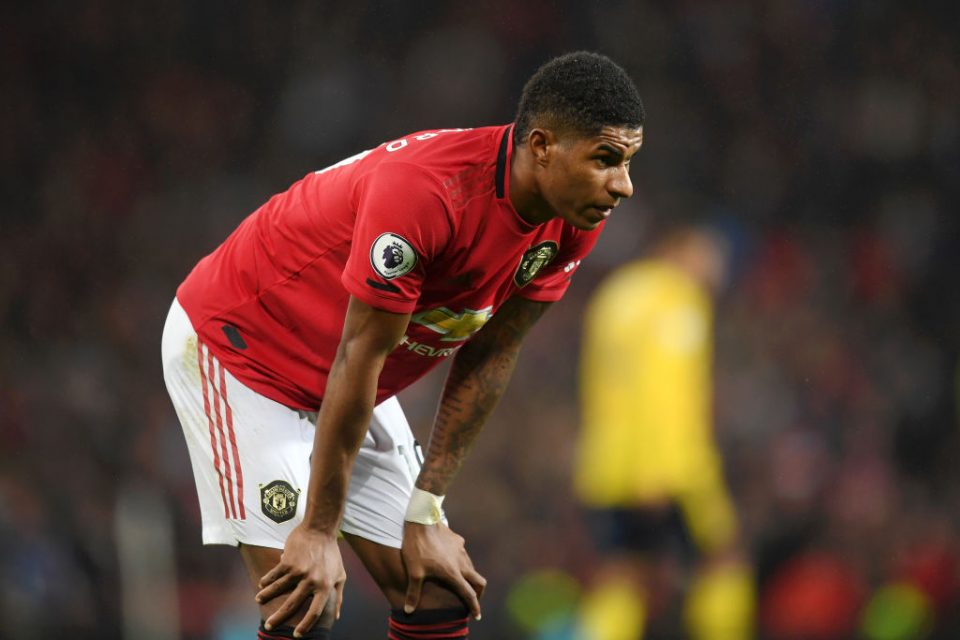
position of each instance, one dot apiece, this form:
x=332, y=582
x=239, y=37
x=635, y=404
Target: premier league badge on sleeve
x=278, y=501
x=392, y=256
x=534, y=259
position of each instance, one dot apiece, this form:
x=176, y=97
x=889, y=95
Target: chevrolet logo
x=453, y=326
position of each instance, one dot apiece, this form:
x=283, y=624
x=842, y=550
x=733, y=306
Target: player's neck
x=524, y=194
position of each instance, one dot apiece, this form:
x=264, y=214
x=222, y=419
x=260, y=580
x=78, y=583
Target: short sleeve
x=553, y=280
x=401, y=225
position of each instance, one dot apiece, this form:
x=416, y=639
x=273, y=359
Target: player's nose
x=620, y=185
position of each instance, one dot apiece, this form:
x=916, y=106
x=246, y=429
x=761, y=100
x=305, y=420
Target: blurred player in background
x=648, y=469
x=285, y=347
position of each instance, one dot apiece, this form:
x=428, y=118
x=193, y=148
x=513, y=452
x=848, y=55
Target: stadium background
x=822, y=137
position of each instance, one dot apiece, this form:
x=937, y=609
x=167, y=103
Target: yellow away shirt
x=646, y=391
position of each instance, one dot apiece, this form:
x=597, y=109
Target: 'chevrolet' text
x=426, y=350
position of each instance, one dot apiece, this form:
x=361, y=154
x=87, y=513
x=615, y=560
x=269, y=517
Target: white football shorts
x=251, y=455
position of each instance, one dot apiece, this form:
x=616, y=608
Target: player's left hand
x=434, y=551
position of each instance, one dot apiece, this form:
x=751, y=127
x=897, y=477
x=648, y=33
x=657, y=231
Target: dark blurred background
x=822, y=137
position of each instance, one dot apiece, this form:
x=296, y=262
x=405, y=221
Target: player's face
x=587, y=177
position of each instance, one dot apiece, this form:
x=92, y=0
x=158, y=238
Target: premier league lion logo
x=393, y=255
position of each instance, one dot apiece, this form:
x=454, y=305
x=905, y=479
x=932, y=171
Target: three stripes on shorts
x=223, y=440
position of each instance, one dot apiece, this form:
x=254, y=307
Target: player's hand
x=310, y=568
x=434, y=551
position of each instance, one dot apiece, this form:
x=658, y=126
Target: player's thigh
x=382, y=478
x=381, y=482
x=386, y=567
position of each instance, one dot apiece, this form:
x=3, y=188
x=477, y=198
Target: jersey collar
x=503, y=167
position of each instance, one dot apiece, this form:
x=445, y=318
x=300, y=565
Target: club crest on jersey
x=534, y=259
x=278, y=501
x=392, y=256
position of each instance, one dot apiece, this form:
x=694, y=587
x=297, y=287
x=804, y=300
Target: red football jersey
x=422, y=224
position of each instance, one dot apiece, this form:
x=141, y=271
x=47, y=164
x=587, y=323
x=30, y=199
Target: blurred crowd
x=821, y=137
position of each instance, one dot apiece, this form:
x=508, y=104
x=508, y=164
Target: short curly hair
x=580, y=92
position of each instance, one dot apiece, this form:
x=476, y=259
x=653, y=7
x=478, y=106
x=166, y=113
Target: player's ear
x=541, y=143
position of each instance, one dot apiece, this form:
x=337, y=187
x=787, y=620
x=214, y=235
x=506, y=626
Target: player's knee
x=437, y=596
x=432, y=595
x=436, y=624
x=284, y=631
x=322, y=625
x=329, y=613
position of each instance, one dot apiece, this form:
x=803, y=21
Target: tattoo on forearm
x=480, y=373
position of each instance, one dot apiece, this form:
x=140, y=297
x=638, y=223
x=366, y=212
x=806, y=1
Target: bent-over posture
x=285, y=347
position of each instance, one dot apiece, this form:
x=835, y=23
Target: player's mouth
x=599, y=214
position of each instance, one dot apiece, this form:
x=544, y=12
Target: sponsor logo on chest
x=422, y=349
x=452, y=327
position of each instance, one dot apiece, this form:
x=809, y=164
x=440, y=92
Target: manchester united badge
x=278, y=501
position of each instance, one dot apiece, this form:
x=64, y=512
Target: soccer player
x=285, y=347
x=648, y=468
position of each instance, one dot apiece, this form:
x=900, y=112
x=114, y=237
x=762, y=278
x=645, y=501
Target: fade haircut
x=579, y=92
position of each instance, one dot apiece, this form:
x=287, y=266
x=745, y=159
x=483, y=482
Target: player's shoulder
x=436, y=149
x=451, y=163
x=456, y=159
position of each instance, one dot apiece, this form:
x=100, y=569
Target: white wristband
x=424, y=507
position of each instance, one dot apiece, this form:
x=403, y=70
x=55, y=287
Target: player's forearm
x=479, y=375
x=341, y=425
x=474, y=386
x=369, y=335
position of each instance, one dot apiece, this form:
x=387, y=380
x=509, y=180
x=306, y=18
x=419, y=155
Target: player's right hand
x=434, y=551
x=310, y=568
